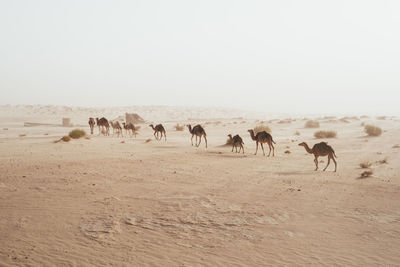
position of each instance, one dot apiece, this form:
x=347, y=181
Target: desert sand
x=127, y=202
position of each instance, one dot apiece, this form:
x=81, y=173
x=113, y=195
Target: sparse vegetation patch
x=77, y=133
x=325, y=134
x=179, y=127
x=260, y=128
x=372, y=130
x=365, y=165
x=312, y=124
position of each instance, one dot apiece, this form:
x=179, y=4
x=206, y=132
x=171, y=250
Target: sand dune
x=101, y=201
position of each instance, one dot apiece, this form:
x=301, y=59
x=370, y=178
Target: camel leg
x=205, y=139
x=273, y=150
x=165, y=136
x=334, y=161
x=236, y=149
x=329, y=161
x=199, y=141
x=256, y=148
x=192, y=139
x=232, y=148
x=269, y=145
x=262, y=146
x=242, y=148
x=316, y=163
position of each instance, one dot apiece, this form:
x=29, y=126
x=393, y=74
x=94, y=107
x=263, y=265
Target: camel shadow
x=295, y=173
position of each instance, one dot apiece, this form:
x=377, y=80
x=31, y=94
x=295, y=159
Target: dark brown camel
x=159, y=129
x=129, y=128
x=263, y=137
x=236, y=142
x=92, y=123
x=320, y=150
x=104, y=126
x=197, y=131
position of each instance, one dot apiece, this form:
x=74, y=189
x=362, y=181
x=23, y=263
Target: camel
x=103, y=123
x=116, y=128
x=129, y=127
x=91, y=124
x=197, y=131
x=320, y=150
x=236, y=141
x=263, y=137
x=159, y=129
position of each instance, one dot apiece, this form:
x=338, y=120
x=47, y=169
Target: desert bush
x=312, y=124
x=179, y=127
x=367, y=173
x=148, y=140
x=22, y=135
x=383, y=161
x=297, y=133
x=287, y=152
x=66, y=138
x=77, y=133
x=365, y=165
x=260, y=128
x=372, y=130
x=344, y=119
x=381, y=117
x=396, y=146
x=325, y=134
x=137, y=128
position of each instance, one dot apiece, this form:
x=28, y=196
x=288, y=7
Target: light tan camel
x=159, y=129
x=92, y=123
x=236, y=142
x=197, y=131
x=263, y=137
x=320, y=150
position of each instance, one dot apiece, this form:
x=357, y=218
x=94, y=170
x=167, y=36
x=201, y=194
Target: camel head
x=303, y=144
x=230, y=136
x=189, y=127
x=151, y=125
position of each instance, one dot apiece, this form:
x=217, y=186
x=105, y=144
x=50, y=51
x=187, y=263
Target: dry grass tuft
x=148, y=140
x=22, y=135
x=396, y=146
x=365, y=165
x=383, y=161
x=77, y=133
x=366, y=174
x=381, y=118
x=344, y=119
x=137, y=128
x=179, y=127
x=325, y=134
x=287, y=152
x=260, y=128
x=372, y=130
x=65, y=138
x=297, y=133
x=311, y=124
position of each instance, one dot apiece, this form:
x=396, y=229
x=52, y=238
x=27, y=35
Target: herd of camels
x=318, y=150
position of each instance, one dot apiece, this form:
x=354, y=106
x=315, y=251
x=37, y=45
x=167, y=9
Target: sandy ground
x=125, y=202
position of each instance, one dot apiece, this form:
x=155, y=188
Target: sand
x=125, y=202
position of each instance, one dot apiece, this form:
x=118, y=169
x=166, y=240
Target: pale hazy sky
x=274, y=56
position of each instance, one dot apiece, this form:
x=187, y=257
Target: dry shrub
x=285, y=121
x=22, y=135
x=148, y=140
x=364, y=117
x=137, y=128
x=365, y=165
x=179, y=127
x=260, y=128
x=329, y=117
x=297, y=133
x=383, y=161
x=325, y=134
x=311, y=124
x=65, y=138
x=366, y=174
x=344, y=119
x=287, y=151
x=381, y=117
x=243, y=122
x=77, y=133
x=396, y=146
x=372, y=130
